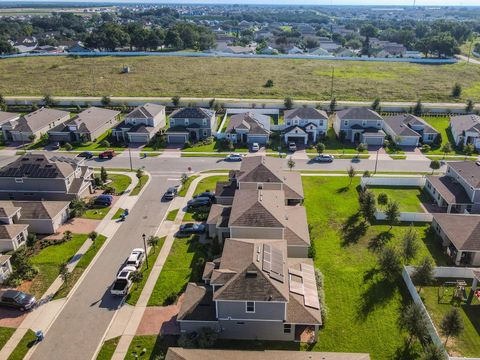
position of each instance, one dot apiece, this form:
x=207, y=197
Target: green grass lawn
x=172, y=215
x=363, y=307
x=209, y=183
x=5, y=334
x=82, y=264
x=408, y=198
x=184, y=264
x=154, y=345
x=95, y=145
x=141, y=183
x=108, y=348
x=23, y=346
x=214, y=147
x=442, y=125
x=48, y=262
x=335, y=146
x=118, y=213
x=96, y=213
x=134, y=294
x=468, y=343
x=184, y=189
x=119, y=182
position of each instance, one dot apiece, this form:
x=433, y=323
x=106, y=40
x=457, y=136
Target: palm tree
x=93, y=236
x=351, y=174
x=153, y=242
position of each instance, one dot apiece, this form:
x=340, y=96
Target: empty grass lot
x=184, y=264
x=48, y=262
x=408, y=198
x=298, y=78
x=467, y=344
x=363, y=307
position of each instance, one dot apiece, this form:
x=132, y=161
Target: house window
x=240, y=323
x=288, y=123
x=364, y=123
x=430, y=136
x=204, y=122
x=434, y=191
x=19, y=180
x=250, y=307
x=259, y=186
x=172, y=122
x=295, y=122
x=20, y=238
x=205, y=133
x=287, y=328
x=429, y=185
x=186, y=121
x=321, y=123
x=378, y=123
x=345, y=123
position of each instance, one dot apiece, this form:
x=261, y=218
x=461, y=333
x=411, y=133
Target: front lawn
x=118, y=213
x=97, y=144
x=334, y=146
x=23, y=346
x=96, y=212
x=409, y=198
x=184, y=189
x=108, y=348
x=49, y=260
x=467, y=344
x=184, y=264
x=156, y=347
x=119, y=182
x=5, y=335
x=141, y=183
x=363, y=307
x=209, y=183
x=172, y=215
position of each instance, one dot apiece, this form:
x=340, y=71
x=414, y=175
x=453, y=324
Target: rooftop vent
x=251, y=274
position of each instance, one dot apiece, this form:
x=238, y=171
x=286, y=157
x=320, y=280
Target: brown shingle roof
x=449, y=189
x=40, y=209
x=7, y=209
x=256, y=124
x=146, y=111
x=296, y=231
x=462, y=230
x=306, y=113
x=11, y=231
x=197, y=304
x=225, y=188
x=39, y=119
x=7, y=116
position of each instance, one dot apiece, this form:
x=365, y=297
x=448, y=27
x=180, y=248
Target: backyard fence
x=407, y=216
x=393, y=181
x=231, y=111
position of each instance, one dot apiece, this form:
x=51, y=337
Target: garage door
x=176, y=139
x=257, y=139
x=374, y=140
x=408, y=141
x=139, y=138
x=299, y=140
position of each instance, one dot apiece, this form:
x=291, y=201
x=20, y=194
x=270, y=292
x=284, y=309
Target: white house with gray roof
x=409, y=130
x=304, y=125
x=360, y=125
x=466, y=130
x=191, y=124
x=248, y=127
x=6, y=117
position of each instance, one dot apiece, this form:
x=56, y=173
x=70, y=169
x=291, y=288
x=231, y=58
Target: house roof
x=358, y=113
x=295, y=129
x=89, y=120
x=469, y=170
x=296, y=226
x=305, y=113
x=145, y=111
x=7, y=209
x=38, y=209
x=462, y=230
x=399, y=125
x=37, y=166
x=11, y=231
x=413, y=120
x=4, y=258
x=449, y=189
x=39, y=119
x=219, y=215
x=177, y=130
x=192, y=113
x=254, y=123
x=175, y=353
x=197, y=304
x=225, y=188
x=7, y=116
x=463, y=123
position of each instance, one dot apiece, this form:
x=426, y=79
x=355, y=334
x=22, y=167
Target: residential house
x=12, y=236
x=85, y=126
x=409, y=130
x=458, y=191
x=460, y=236
x=5, y=267
x=360, y=125
x=249, y=127
x=192, y=124
x=305, y=125
x=42, y=217
x=25, y=44
x=176, y=353
x=34, y=124
x=7, y=117
x=141, y=124
x=38, y=177
x=466, y=130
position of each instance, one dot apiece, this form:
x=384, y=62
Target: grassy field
x=363, y=306
x=298, y=78
x=5, y=334
x=108, y=348
x=467, y=344
x=408, y=198
x=184, y=264
x=23, y=346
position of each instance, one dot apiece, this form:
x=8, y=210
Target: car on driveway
x=107, y=154
x=324, y=158
x=103, y=200
x=234, y=157
x=206, y=194
x=255, y=147
x=17, y=300
x=292, y=147
x=136, y=258
x=191, y=228
x=170, y=193
x=198, y=202
x=86, y=155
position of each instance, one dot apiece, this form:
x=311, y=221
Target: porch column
x=459, y=256
x=305, y=140
x=449, y=208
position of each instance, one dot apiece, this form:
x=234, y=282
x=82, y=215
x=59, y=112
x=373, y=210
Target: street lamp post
x=130, y=156
x=376, y=162
x=145, y=247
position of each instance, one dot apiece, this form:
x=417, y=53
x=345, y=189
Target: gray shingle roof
x=399, y=125
x=450, y=190
x=89, y=120
x=192, y=113
x=40, y=209
x=7, y=116
x=306, y=113
x=146, y=111
x=197, y=304
x=358, y=113
x=462, y=230
x=464, y=123
x=39, y=119
x=469, y=170
x=256, y=124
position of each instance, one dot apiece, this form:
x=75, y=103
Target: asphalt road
x=80, y=326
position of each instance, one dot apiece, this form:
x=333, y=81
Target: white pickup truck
x=123, y=282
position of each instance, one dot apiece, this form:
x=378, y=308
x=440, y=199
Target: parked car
x=170, y=193
x=123, y=282
x=86, y=154
x=136, y=257
x=234, y=157
x=206, y=194
x=198, y=203
x=324, y=158
x=255, y=147
x=292, y=146
x=107, y=154
x=103, y=200
x=17, y=300
x=56, y=145
x=191, y=228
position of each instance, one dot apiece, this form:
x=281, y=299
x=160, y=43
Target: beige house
x=12, y=236
x=5, y=267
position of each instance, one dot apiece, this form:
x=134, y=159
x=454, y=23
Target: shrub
x=187, y=144
x=457, y=90
x=269, y=83
x=426, y=148
x=105, y=143
x=68, y=146
x=206, y=338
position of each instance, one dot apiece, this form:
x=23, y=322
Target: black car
x=199, y=202
x=17, y=299
x=192, y=228
x=170, y=193
x=86, y=154
x=206, y=194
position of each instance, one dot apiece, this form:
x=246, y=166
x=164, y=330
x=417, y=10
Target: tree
x=184, y=179
x=451, y=324
x=93, y=236
x=433, y=352
x=426, y=148
x=423, y=274
x=103, y=174
x=392, y=214
x=288, y=103
x=320, y=148
x=418, y=108
x=446, y=148
x=376, y=104
x=361, y=148
x=68, y=146
x=137, y=277
x=367, y=206
x=78, y=207
x=469, y=149
x=290, y=163
x=390, y=263
x=48, y=101
x=382, y=199
x=351, y=172
x=435, y=165
x=410, y=244
x=342, y=135
x=211, y=103
x=64, y=273
x=139, y=174
x=153, y=242
x=67, y=235
x=412, y=320
x=106, y=100
x=32, y=137
x=31, y=239
x=457, y=90
x=22, y=265
x=176, y=101
x=468, y=109
x=333, y=104
x=3, y=103
x=269, y=83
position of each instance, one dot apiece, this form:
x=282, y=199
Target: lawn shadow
x=378, y=242
x=378, y=293
x=473, y=314
x=407, y=351
x=342, y=190
x=353, y=229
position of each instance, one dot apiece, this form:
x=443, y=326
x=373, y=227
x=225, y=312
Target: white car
x=234, y=157
x=255, y=147
x=292, y=146
x=123, y=282
x=136, y=258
